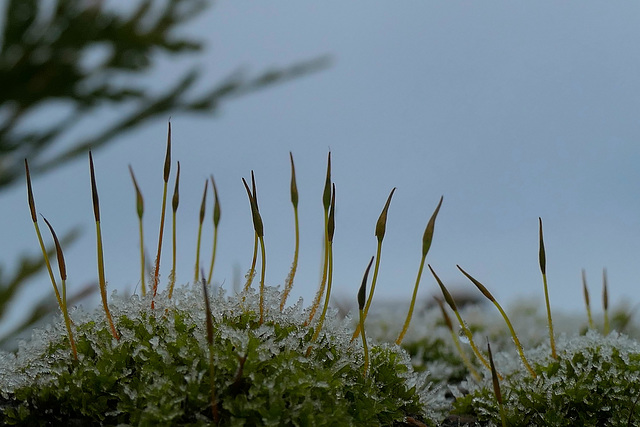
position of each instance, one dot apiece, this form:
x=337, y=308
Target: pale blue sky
x=511, y=110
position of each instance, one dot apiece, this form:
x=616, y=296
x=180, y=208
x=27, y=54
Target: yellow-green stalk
x=294, y=265
x=101, y=278
x=140, y=211
x=203, y=208
x=362, y=294
x=214, y=403
x=452, y=304
x=175, y=201
x=496, y=386
x=252, y=271
x=326, y=202
x=34, y=218
x=63, y=277
x=165, y=177
x=490, y=297
x=381, y=227
x=216, y=221
x=427, y=237
x=586, y=298
x=456, y=341
x=259, y=229
x=543, y=269
x=605, y=301
x=331, y=229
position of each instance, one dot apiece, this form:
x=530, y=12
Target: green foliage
x=157, y=373
x=45, y=60
x=595, y=381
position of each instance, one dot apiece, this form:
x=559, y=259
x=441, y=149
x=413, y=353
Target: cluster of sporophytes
x=587, y=379
x=193, y=355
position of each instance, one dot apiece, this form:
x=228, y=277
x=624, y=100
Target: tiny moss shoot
x=101, y=277
x=331, y=230
x=216, y=221
x=605, y=301
x=496, y=386
x=456, y=341
x=381, y=227
x=326, y=203
x=203, y=209
x=585, y=292
x=362, y=294
x=175, y=202
x=490, y=297
x=427, y=237
x=543, y=269
x=294, y=264
x=252, y=270
x=165, y=178
x=452, y=304
x=34, y=218
x=259, y=232
x=63, y=278
x=140, y=212
x=209, y=324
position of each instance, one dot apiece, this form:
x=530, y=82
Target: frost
x=161, y=359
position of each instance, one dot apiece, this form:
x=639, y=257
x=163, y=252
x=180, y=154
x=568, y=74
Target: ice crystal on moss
x=157, y=372
x=593, y=373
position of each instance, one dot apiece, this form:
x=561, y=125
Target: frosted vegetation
x=158, y=373
x=195, y=355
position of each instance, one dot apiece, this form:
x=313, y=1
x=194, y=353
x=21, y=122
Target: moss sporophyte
x=194, y=355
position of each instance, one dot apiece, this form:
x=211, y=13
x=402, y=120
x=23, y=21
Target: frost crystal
x=158, y=371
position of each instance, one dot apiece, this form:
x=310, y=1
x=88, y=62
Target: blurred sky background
x=511, y=110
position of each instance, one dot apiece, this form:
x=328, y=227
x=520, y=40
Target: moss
x=157, y=373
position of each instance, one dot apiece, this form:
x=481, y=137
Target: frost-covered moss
x=594, y=382
x=158, y=372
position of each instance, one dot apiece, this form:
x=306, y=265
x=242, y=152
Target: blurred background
x=511, y=110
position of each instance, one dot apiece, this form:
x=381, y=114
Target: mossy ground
x=158, y=372
x=157, y=360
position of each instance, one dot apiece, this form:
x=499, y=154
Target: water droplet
x=463, y=337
